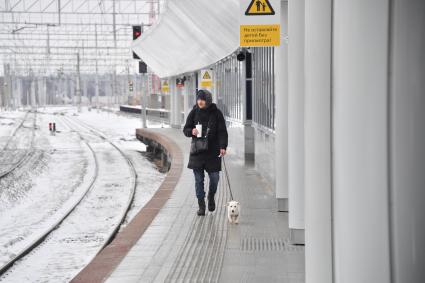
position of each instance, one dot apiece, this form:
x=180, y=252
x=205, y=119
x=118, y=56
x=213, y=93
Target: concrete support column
x=213, y=87
x=317, y=132
x=192, y=92
x=296, y=119
x=407, y=134
x=281, y=89
x=185, y=90
x=144, y=100
x=175, y=106
x=360, y=141
x=171, y=83
x=248, y=129
x=178, y=97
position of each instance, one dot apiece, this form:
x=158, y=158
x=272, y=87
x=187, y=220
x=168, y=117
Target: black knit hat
x=205, y=95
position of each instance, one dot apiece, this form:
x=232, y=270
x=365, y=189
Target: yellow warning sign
x=259, y=23
x=260, y=35
x=206, y=78
x=165, y=87
x=259, y=8
x=206, y=83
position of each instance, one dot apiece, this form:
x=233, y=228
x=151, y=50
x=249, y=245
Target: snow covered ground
x=9, y=121
x=18, y=142
x=60, y=176
x=120, y=128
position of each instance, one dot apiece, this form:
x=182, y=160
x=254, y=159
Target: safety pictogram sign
x=259, y=23
x=206, y=78
x=206, y=75
x=165, y=87
x=260, y=8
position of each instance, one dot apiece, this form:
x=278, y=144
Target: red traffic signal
x=137, y=31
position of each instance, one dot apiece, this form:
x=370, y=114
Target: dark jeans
x=199, y=182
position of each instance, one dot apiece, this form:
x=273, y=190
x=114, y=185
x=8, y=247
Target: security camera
x=241, y=55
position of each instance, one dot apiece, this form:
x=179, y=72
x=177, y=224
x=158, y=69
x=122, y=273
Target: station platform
x=176, y=245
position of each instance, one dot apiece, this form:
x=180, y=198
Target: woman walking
x=206, y=126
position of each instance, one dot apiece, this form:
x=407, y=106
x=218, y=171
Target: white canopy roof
x=190, y=35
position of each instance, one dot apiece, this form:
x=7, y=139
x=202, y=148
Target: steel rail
x=53, y=227
x=29, y=150
x=133, y=171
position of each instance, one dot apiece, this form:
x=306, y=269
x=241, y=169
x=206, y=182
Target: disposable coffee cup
x=199, y=129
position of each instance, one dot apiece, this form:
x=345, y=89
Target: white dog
x=233, y=211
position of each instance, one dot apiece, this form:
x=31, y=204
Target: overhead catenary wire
x=67, y=26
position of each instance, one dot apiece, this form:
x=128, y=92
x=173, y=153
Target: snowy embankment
x=62, y=176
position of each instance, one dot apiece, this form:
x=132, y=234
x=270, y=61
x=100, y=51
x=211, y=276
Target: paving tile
x=154, y=255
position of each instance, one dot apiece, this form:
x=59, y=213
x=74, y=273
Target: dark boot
x=201, y=203
x=211, y=202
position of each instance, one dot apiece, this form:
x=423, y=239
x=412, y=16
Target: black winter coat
x=217, y=137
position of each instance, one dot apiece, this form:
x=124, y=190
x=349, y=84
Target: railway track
x=40, y=239
x=16, y=129
x=133, y=170
x=16, y=164
x=73, y=124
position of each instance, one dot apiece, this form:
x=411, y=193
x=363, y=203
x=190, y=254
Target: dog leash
x=227, y=178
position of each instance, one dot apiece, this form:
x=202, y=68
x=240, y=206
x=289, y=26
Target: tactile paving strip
x=253, y=244
x=201, y=256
